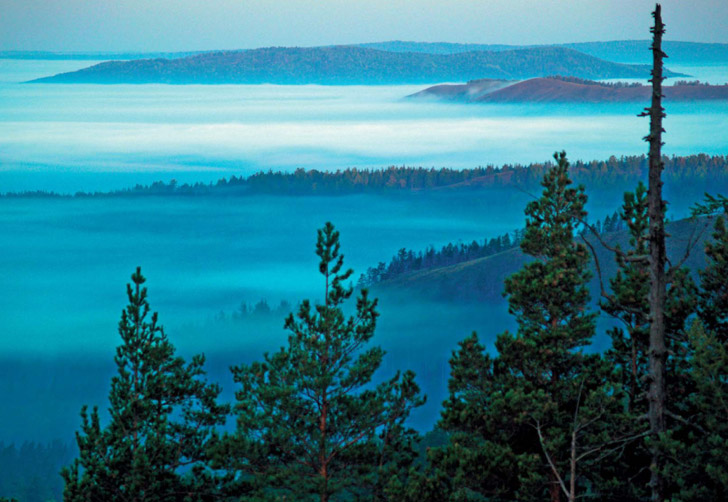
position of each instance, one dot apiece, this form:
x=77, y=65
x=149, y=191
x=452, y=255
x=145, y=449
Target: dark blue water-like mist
x=65, y=262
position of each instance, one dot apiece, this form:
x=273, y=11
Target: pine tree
x=696, y=468
x=628, y=302
x=528, y=423
x=713, y=302
x=162, y=415
x=310, y=422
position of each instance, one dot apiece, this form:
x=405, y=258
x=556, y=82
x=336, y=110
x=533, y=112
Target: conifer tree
x=162, y=415
x=713, y=301
x=696, y=468
x=311, y=425
x=628, y=302
x=528, y=422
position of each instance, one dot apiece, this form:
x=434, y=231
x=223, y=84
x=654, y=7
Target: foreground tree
x=713, y=304
x=628, y=302
x=696, y=468
x=531, y=422
x=311, y=424
x=162, y=415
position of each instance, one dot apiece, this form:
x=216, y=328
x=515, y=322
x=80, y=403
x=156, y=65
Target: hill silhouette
x=557, y=89
x=343, y=65
x=620, y=51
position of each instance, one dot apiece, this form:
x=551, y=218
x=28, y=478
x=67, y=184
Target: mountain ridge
x=347, y=65
x=619, y=51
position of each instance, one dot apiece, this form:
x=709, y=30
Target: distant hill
x=568, y=90
x=620, y=51
x=349, y=65
x=481, y=280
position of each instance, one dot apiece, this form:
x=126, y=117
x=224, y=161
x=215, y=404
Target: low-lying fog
x=65, y=262
x=95, y=137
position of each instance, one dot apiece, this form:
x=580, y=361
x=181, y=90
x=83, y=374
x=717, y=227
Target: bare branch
x=548, y=458
x=692, y=242
x=683, y=421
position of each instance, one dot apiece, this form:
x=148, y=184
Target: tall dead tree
x=657, y=261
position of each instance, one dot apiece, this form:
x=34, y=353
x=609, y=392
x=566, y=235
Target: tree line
x=407, y=260
x=701, y=170
x=612, y=85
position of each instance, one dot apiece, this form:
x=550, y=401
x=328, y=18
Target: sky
x=182, y=25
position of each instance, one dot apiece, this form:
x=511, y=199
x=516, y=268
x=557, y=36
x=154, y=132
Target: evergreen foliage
x=699, y=172
x=310, y=422
x=628, y=303
x=407, y=260
x=162, y=415
x=696, y=468
x=713, y=302
x=530, y=422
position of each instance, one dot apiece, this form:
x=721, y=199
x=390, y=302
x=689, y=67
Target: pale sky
x=180, y=25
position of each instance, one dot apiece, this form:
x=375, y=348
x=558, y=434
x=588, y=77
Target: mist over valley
x=217, y=192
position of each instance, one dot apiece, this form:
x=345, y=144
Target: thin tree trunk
x=555, y=488
x=634, y=384
x=572, y=479
x=656, y=213
x=323, y=453
x=323, y=460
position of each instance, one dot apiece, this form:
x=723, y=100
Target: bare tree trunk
x=554, y=488
x=656, y=213
x=572, y=480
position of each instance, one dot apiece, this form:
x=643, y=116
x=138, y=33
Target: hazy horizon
x=186, y=25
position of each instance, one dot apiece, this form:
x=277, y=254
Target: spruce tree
x=310, y=423
x=162, y=415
